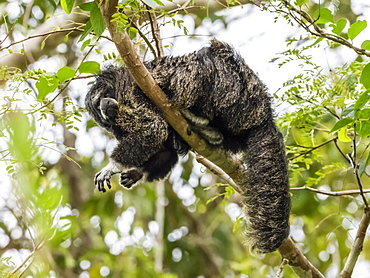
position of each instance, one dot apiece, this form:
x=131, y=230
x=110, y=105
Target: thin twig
x=331, y=193
x=317, y=30
x=312, y=102
x=357, y=245
x=160, y=219
x=156, y=32
x=341, y=152
x=42, y=35
x=217, y=171
x=313, y=148
x=29, y=257
x=142, y=35
x=279, y=273
x=355, y=167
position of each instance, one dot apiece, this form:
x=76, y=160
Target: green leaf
x=341, y=123
x=362, y=100
x=88, y=7
x=89, y=67
x=85, y=44
x=97, y=20
x=87, y=30
x=356, y=28
x=342, y=135
x=339, y=26
x=45, y=86
x=365, y=76
x=67, y=5
x=229, y=191
x=364, y=113
x=324, y=15
x=363, y=164
x=153, y=3
x=364, y=130
x=54, y=3
x=300, y=2
x=366, y=45
x=20, y=130
x=65, y=73
x=133, y=30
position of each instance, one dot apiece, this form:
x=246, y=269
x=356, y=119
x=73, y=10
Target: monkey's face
x=102, y=105
x=109, y=109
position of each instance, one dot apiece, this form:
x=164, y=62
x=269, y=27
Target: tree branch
x=46, y=34
x=314, y=29
x=332, y=193
x=297, y=261
x=313, y=148
x=155, y=32
x=357, y=246
x=32, y=46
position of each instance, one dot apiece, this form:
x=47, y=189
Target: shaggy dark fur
x=226, y=103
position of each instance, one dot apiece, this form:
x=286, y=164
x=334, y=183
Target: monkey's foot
x=201, y=126
x=193, y=119
x=103, y=177
x=129, y=178
x=212, y=135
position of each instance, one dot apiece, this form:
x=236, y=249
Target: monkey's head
x=102, y=101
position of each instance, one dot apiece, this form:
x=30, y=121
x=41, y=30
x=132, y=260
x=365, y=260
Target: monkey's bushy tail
x=266, y=192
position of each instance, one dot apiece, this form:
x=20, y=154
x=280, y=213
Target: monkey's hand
x=129, y=178
x=103, y=177
x=201, y=126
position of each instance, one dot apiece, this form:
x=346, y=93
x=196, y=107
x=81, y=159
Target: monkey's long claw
x=102, y=178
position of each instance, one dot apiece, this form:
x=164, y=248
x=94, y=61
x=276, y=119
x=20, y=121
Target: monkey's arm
x=128, y=177
x=103, y=177
x=145, y=151
x=156, y=167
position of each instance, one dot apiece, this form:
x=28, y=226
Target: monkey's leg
x=156, y=168
x=201, y=126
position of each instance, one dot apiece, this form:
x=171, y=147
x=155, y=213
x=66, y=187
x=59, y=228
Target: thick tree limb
x=297, y=261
